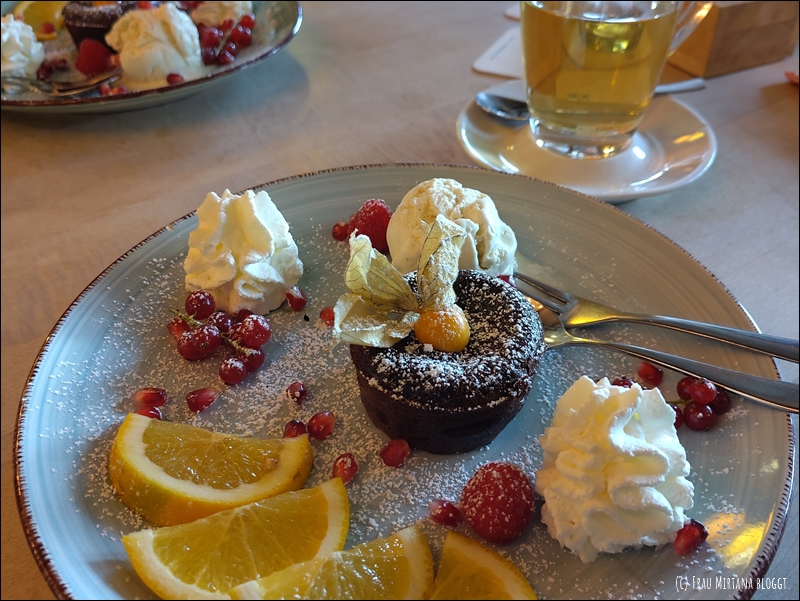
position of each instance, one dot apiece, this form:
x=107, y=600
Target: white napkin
x=504, y=57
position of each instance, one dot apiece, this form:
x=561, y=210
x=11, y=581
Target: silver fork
x=575, y=311
x=776, y=394
x=58, y=88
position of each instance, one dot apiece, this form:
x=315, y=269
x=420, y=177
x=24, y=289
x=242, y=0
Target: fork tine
x=554, y=306
x=564, y=297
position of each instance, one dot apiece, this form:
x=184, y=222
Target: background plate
x=276, y=24
x=112, y=341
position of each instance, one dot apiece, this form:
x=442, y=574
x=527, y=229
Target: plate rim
x=610, y=198
x=156, y=96
x=51, y=574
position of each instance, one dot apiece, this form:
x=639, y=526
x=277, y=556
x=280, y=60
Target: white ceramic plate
x=113, y=340
x=672, y=148
x=276, y=24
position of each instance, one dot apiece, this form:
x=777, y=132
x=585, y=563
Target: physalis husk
x=381, y=308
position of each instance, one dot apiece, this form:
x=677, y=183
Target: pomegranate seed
x=678, y=416
x=232, y=370
x=721, y=403
x=296, y=391
x=321, y=425
x=210, y=38
x=241, y=36
x=253, y=359
x=177, y=327
x=187, y=348
x=255, y=331
x=294, y=429
x=150, y=397
x=691, y=536
x=698, y=416
x=48, y=28
x=227, y=25
x=208, y=55
x=174, y=78
x=327, y=316
x=651, y=374
x=224, y=57
x=395, y=452
x=248, y=21
x=508, y=279
x=682, y=387
x=151, y=412
x=340, y=231
x=296, y=298
x=230, y=47
x=703, y=391
x=104, y=89
x=199, y=400
x=345, y=467
x=200, y=304
x=623, y=381
x=444, y=513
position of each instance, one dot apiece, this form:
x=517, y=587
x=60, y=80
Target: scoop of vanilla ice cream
x=22, y=53
x=614, y=472
x=489, y=246
x=216, y=13
x=242, y=253
x=155, y=43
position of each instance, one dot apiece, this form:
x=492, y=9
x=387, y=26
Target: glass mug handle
x=689, y=16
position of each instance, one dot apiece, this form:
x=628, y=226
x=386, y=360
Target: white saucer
x=673, y=147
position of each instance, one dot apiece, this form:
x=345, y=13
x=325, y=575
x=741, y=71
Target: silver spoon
x=13, y=84
x=507, y=100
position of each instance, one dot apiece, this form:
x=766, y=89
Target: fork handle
x=774, y=393
x=783, y=348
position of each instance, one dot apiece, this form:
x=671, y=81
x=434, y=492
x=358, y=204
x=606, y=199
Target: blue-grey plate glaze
x=276, y=24
x=112, y=340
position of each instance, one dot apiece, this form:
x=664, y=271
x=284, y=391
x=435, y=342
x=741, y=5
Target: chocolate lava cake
x=456, y=402
x=93, y=19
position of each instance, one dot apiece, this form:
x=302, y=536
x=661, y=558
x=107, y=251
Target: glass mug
x=591, y=68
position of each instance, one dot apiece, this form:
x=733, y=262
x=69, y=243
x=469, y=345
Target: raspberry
x=372, y=219
x=498, y=502
x=93, y=58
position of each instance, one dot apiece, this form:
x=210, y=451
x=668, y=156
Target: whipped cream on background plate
x=216, y=13
x=490, y=244
x=155, y=43
x=22, y=53
x=614, y=472
x=242, y=253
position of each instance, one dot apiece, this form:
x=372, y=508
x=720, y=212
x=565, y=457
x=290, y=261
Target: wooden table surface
x=362, y=83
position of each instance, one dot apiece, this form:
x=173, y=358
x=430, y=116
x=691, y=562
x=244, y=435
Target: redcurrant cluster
x=203, y=329
x=220, y=45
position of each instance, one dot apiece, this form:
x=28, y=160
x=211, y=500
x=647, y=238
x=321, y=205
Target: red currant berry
x=151, y=412
x=721, y=403
x=682, y=388
x=623, y=381
x=294, y=429
x=296, y=391
x=444, y=513
x=221, y=320
x=498, y=502
x=371, y=220
x=150, y=397
x=253, y=358
x=340, y=231
x=699, y=417
x=187, y=348
x=177, y=327
x=327, y=316
x=200, y=304
x=232, y=370
x=199, y=400
x=345, y=467
x=206, y=339
x=688, y=538
x=255, y=331
x=508, y=279
x=321, y=425
x=243, y=314
x=651, y=374
x=395, y=452
x=296, y=298
x=678, y=416
x=703, y=391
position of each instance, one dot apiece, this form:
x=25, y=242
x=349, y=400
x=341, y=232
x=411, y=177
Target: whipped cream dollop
x=614, y=472
x=490, y=243
x=22, y=53
x=216, y=13
x=242, y=253
x=155, y=43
